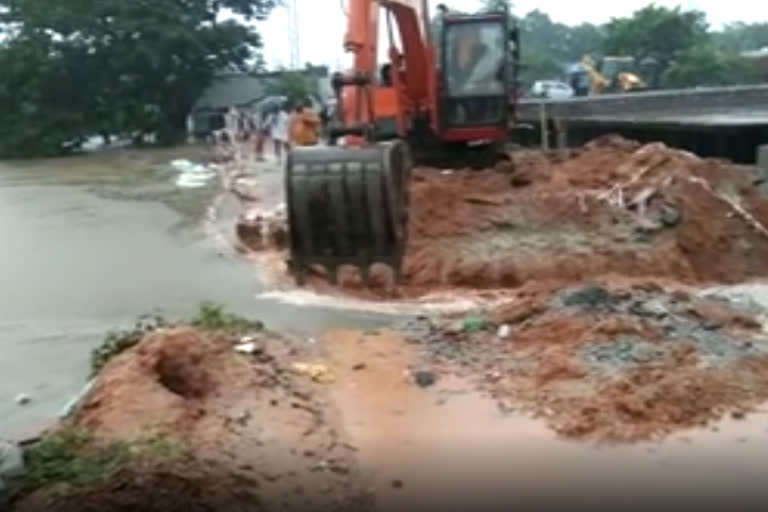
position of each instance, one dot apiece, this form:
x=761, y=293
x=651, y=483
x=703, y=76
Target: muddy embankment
x=194, y=419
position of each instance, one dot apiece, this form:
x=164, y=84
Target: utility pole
x=294, y=61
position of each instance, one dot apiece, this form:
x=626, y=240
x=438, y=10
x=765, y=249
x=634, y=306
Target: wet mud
x=258, y=435
x=611, y=363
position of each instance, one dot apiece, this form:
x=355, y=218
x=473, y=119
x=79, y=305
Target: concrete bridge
x=727, y=122
x=739, y=105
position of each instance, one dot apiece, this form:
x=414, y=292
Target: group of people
x=287, y=126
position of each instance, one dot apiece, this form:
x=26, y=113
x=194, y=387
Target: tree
x=547, y=46
x=83, y=67
x=739, y=37
x=657, y=33
x=703, y=65
x=497, y=5
x=295, y=85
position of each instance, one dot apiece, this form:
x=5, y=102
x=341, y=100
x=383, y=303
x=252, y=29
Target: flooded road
x=90, y=243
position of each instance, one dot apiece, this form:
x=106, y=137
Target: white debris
x=246, y=348
x=22, y=399
x=192, y=175
x=188, y=167
x=11, y=460
x=504, y=331
x=72, y=404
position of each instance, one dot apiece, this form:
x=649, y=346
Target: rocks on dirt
x=424, y=378
x=260, y=229
x=616, y=362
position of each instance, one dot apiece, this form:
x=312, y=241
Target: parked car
x=552, y=89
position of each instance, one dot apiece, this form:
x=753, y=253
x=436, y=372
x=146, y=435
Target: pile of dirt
x=612, y=206
x=256, y=436
x=612, y=362
x=258, y=229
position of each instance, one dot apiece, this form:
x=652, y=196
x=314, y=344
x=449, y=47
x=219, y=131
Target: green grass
x=209, y=317
x=213, y=317
x=74, y=457
x=117, y=342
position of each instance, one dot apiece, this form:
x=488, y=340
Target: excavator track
x=347, y=206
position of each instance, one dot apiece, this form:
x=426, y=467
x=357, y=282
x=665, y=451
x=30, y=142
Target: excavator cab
x=474, y=77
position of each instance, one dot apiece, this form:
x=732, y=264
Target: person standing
x=304, y=125
x=259, y=122
x=280, y=132
x=231, y=124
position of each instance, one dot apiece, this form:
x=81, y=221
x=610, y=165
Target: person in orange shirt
x=304, y=125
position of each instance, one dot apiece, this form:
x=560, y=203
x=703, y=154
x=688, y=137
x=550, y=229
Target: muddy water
x=88, y=244
x=448, y=446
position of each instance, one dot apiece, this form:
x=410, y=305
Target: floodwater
x=90, y=243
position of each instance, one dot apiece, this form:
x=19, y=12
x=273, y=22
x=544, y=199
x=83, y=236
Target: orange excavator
x=443, y=99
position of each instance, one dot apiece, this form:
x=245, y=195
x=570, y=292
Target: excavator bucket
x=347, y=206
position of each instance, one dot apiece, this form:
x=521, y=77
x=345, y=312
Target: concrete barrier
x=690, y=103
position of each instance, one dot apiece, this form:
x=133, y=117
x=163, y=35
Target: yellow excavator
x=613, y=74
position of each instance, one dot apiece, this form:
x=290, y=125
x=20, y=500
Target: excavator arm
x=411, y=18
x=411, y=67
x=348, y=204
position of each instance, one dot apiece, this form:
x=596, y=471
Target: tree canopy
x=75, y=68
x=685, y=50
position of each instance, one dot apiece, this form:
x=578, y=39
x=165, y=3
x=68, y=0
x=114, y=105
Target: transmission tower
x=294, y=62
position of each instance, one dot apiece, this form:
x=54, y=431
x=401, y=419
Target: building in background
x=247, y=92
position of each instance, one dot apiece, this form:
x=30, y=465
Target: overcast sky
x=322, y=22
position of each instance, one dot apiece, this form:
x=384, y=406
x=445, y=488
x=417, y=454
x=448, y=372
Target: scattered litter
x=185, y=181
x=424, y=378
x=72, y=404
x=192, y=175
x=473, y=324
x=188, y=167
x=319, y=373
x=246, y=348
x=504, y=331
x=22, y=399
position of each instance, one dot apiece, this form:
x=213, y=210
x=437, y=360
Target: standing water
x=92, y=242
